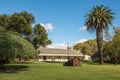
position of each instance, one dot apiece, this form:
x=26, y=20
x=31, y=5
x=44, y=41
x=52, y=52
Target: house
x=59, y=55
x=87, y=57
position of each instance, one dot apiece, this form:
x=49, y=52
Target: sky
x=63, y=19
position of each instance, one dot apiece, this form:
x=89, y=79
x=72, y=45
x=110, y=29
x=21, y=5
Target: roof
x=58, y=52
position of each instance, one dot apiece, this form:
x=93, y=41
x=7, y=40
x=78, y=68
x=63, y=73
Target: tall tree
x=18, y=22
x=28, y=16
x=22, y=23
x=40, y=36
x=98, y=19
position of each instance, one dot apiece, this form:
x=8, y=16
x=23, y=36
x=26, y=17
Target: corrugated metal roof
x=58, y=52
x=47, y=54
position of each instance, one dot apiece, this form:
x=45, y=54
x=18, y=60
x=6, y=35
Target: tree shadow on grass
x=14, y=68
x=92, y=63
x=97, y=63
x=52, y=62
x=24, y=62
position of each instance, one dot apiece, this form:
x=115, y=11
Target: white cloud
x=58, y=46
x=65, y=45
x=81, y=41
x=83, y=28
x=47, y=26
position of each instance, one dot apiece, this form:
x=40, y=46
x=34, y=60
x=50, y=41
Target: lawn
x=56, y=71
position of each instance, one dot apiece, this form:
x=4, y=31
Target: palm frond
x=99, y=17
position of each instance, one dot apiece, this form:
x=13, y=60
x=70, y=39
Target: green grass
x=56, y=71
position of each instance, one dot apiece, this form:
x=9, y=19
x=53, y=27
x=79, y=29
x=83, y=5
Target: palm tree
x=98, y=19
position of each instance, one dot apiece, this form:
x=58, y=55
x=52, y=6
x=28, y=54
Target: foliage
x=4, y=20
x=98, y=19
x=108, y=36
x=40, y=36
x=88, y=47
x=21, y=23
x=28, y=16
x=112, y=48
x=12, y=45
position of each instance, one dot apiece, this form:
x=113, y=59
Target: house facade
x=59, y=55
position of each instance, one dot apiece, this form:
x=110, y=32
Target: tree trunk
x=99, y=35
x=116, y=60
x=2, y=67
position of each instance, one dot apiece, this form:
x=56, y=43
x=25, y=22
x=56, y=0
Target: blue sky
x=63, y=19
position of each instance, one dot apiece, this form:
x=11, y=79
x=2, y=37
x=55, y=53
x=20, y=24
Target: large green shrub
x=12, y=45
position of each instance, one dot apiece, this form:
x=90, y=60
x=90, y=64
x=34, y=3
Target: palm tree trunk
x=99, y=35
